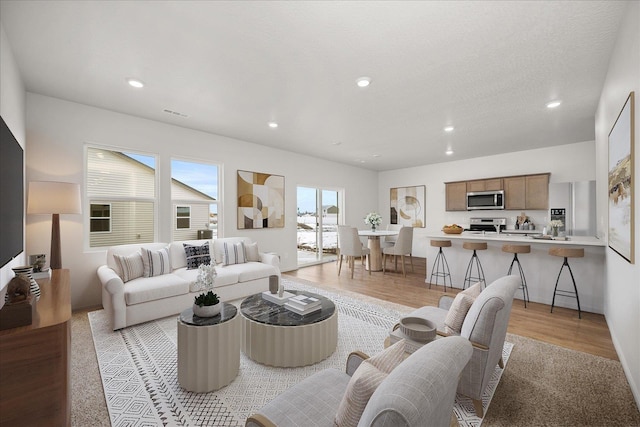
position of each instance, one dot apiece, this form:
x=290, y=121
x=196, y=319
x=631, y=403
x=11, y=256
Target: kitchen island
x=540, y=268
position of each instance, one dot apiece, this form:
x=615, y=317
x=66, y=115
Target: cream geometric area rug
x=139, y=369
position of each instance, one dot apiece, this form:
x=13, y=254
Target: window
x=121, y=190
x=100, y=220
x=194, y=195
x=183, y=217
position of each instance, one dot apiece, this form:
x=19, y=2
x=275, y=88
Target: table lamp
x=55, y=198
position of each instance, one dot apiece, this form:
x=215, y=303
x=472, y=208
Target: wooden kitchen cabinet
x=514, y=192
x=537, y=191
x=456, y=196
x=526, y=192
x=492, y=184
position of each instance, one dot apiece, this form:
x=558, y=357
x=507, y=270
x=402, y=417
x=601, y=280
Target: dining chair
x=351, y=247
x=402, y=247
x=389, y=241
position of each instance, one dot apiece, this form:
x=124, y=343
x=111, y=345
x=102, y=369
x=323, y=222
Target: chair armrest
x=354, y=360
x=270, y=258
x=445, y=302
x=110, y=280
x=474, y=344
x=258, y=420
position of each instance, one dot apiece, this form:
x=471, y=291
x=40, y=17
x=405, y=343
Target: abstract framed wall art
x=407, y=206
x=260, y=200
x=620, y=182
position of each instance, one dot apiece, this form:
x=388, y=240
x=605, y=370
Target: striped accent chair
x=485, y=326
x=420, y=390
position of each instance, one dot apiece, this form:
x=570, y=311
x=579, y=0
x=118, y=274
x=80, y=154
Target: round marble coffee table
x=208, y=349
x=275, y=336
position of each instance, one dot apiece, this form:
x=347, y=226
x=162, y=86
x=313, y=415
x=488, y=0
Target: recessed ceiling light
x=375, y=155
x=553, y=104
x=273, y=125
x=449, y=152
x=336, y=143
x=363, y=81
x=135, y=83
x=448, y=129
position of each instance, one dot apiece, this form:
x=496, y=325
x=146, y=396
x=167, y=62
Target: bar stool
x=515, y=250
x=566, y=253
x=468, y=278
x=440, y=265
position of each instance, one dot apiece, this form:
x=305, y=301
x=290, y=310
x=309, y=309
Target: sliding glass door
x=319, y=213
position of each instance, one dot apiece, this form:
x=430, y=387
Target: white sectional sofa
x=148, y=298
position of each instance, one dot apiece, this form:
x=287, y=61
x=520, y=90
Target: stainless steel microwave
x=485, y=200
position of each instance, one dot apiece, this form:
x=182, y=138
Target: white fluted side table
x=275, y=336
x=208, y=349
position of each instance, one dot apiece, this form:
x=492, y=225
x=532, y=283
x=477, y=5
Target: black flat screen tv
x=11, y=195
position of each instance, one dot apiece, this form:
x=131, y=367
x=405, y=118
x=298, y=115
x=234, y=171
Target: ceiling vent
x=174, y=113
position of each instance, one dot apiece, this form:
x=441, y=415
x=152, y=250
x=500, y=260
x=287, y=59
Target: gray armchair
x=421, y=388
x=485, y=326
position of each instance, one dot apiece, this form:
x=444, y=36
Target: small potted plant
x=207, y=304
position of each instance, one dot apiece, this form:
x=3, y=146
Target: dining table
x=373, y=243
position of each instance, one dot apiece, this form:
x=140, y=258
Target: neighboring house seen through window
x=121, y=190
x=194, y=195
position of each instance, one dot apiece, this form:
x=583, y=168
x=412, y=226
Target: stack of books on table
x=303, y=304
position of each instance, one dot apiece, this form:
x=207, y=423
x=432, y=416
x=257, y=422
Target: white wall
x=58, y=130
x=12, y=110
x=622, y=288
x=571, y=162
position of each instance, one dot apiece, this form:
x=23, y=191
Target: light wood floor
x=562, y=327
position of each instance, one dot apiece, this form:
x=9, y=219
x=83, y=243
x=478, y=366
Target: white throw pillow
x=233, y=253
x=156, y=263
x=131, y=266
x=363, y=384
x=252, y=252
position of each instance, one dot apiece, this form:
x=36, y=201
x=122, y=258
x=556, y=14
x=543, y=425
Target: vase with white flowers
x=373, y=219
x=207, y=304
x=555, y=225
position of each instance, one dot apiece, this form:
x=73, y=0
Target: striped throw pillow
x=364, y=382
x=234, y=253
x=156, y=263
x=131, y=266
x=459, y=308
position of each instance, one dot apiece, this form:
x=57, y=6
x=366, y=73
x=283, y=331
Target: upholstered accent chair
x=485, y=326
x=403, y=246
x=351, y=246
x=419, y=391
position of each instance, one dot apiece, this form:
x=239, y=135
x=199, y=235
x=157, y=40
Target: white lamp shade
x=50, y=197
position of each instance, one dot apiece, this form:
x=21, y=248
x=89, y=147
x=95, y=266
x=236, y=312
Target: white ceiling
x=488, y=68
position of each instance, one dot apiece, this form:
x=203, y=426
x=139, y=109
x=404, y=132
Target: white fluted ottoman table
x=275, y=336
x=208, y=349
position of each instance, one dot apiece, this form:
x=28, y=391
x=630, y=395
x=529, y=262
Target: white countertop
x=506, y=237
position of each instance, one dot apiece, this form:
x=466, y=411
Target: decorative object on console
x=621, y=171
x=18, y=307
x=26, y=272
x=373, y=219
x=260, y=200
x=555, y=225
x=55, y=198
x=407, y=206
x=37, y=262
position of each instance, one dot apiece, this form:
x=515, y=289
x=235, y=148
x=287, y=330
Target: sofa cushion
x=146, y=289
x=247, y=271
x=252, y=252
x=224, y=277
x=197, y=255
x=364, y=382
x=156, y=263
x=233, y=253
x=131, y=266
